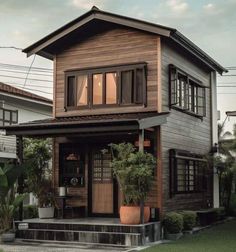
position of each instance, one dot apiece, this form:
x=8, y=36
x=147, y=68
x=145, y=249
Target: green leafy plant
x=173, y=223
x=37, y=154
x=133, y=170
x=9, y=201
x=189, y=219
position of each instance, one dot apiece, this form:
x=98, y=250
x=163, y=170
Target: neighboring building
x=18, y=106
x=118, y=79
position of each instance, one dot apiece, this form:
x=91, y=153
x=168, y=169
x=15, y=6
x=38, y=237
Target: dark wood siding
x=183, y=131
x=116, y=46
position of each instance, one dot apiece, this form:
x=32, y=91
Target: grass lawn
x=217, y=239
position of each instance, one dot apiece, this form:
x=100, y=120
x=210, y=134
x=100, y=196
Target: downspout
x=214, y=137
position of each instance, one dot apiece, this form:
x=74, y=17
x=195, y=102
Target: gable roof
x=41, y=47
x=4, y=88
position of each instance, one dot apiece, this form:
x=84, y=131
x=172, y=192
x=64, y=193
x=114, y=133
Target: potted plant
x=46, y=200
x=37, y=154
x=173, y=226
x=134, y=172
x=9, y=202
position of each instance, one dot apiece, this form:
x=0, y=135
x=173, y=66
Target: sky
x=210, y=24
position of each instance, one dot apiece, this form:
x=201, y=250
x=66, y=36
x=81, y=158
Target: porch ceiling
x=87, y=124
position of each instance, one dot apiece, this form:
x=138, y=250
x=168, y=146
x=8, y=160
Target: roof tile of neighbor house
x=4, y=88
x=44, y=46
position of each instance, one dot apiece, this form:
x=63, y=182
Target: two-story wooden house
x=119, y=79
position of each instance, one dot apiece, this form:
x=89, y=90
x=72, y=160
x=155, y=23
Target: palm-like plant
x=9, y=202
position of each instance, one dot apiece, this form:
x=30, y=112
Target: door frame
x=90, y=187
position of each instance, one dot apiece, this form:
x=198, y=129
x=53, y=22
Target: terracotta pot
x=131, y=214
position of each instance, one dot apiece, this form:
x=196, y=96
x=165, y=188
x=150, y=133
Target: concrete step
x=125, y=239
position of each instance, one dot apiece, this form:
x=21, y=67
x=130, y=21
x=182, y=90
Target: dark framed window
x=187, y=172
x=8, y=117
x=102, y=171
x=108, y=86
x=186, y=93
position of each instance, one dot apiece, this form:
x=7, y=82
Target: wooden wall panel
x=116, y=46
x=183, y=131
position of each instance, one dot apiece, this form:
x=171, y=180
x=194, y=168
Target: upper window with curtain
x=186, y=93
x=108, y=86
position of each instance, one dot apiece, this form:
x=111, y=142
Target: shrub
x=232, y=207
x=189, y=219
x=219, y=213
x=173, y=223
x=29, y=212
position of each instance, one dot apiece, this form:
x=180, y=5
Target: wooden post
x=21, y=178
x=141, y=148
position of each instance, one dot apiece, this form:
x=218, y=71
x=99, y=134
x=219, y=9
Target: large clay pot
x=131, y=214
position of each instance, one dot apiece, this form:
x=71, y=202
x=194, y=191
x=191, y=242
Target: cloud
x=88, y=4
x=178, y=6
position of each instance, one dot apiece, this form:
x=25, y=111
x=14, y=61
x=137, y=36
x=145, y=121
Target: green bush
x=173, y=223
x=219, y=213
x=29, y=212
x=189, y=219
x=232, y=206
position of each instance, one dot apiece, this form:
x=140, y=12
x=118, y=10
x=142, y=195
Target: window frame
x=174, y=73
x=11, y=121
x=118, y=69
x=199, y=173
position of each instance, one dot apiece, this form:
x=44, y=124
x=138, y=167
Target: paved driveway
x=39, y=247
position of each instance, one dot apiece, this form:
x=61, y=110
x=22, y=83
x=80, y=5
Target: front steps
x=90, y=232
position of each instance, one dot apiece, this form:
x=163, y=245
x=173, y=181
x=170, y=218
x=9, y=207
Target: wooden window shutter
x=173, y=82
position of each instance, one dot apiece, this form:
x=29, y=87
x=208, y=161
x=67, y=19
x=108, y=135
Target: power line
x=21, y=78
x=24, y=72
x=11, y=47
x=29, y=69
x=26, y=67
x=29, y=85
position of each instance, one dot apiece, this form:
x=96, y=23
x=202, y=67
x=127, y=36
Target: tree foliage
x=37, y=154
x=133, y=170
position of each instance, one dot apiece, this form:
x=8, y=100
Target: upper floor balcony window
x=8, y=116
x=107, y=86
x=187, y=93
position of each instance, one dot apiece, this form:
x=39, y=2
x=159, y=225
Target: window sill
x=107, y=106
x=186, y=112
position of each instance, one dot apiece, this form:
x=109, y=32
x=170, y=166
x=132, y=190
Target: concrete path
x=45, y=247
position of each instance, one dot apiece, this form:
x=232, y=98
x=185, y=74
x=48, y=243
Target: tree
x=37, y=154
x=226, y=164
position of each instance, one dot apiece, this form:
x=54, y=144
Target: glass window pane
x=71, y=91
x=97, y=88
x=82, y=90
x=1, y=114
x=7, y=115
x=139, y=86
x=127, y=87
x=14, y=117
x=111, y=88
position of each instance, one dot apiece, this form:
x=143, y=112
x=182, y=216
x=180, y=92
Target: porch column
x=21, y=178
x=141, y=148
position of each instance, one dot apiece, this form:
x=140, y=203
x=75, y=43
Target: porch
x=106, y=231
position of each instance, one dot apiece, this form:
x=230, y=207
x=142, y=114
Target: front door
x=103, y=190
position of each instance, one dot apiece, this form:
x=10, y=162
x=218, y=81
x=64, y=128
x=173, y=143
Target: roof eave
x=187, y=44
x=39, y=46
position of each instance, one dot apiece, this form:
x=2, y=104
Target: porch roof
x=87, y=124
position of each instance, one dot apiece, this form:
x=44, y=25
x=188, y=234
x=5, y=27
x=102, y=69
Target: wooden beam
x=141, y=148
x=159, y=75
